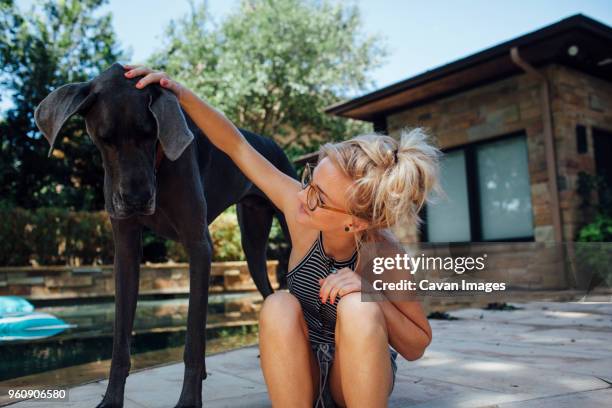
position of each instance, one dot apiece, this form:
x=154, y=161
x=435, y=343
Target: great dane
x=158, y=174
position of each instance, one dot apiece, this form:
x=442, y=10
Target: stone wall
x=578, y=99
x=60, y=282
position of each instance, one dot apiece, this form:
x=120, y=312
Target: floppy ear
x=51, y=114
x=172, y=130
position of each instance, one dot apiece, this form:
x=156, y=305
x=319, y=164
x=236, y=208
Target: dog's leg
x=200, y=257
x=255, y=220
x=128, y=253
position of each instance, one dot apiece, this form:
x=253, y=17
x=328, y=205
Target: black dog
x=177, y=198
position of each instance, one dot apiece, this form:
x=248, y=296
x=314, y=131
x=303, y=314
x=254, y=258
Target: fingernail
x=139, y=84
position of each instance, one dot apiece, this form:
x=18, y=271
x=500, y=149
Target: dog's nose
x=136, y=200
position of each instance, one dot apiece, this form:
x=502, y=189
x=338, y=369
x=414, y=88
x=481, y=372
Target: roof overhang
x=542, y=47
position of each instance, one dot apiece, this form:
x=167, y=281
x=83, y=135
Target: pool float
x=28, y=326
x=14, y=304
x=18, y=321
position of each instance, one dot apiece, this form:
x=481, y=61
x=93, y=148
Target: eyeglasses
x=313, y=195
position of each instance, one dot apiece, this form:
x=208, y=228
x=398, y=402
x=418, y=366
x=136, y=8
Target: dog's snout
x=136, y=199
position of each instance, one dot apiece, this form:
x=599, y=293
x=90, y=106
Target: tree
x=54, y=43
x=274, y=65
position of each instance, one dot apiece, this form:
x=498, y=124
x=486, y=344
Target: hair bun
x=386, y=191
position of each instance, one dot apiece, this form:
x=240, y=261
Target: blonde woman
x=319, y=343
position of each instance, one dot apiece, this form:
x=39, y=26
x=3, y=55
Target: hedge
x=56, y=236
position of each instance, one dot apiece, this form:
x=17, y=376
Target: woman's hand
x=151, y=76
x=340, y=283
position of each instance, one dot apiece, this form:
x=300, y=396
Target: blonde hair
x=392, y=179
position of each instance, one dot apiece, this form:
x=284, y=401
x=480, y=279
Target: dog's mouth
x=121, y=210
x=121, y=214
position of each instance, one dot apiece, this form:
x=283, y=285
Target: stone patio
x=549, y=354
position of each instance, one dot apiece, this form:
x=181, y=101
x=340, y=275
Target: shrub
x=56, y=236
x=594, y=239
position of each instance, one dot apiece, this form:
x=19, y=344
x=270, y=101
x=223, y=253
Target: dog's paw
x=110, y=403
x=180, y=405
x=189, y=403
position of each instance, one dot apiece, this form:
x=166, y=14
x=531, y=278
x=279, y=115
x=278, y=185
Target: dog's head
x=125, y=124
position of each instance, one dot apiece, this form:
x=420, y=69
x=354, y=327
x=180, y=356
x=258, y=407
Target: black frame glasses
x=313, y=195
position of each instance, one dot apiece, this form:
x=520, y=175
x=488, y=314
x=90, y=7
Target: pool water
x=159, y=325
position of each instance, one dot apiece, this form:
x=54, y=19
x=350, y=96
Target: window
x=449, y=219
x=489, y=194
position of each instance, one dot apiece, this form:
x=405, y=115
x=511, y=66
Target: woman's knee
x=355, y=316
x=279, y=310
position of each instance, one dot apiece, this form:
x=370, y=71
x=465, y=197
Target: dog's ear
x=172, y=130
x=53, y=111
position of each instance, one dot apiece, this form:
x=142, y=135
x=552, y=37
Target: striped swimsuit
x=303, y=282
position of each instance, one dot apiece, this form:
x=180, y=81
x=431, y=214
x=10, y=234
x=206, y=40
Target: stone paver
x=548, y=354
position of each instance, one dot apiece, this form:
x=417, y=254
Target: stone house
x=517, y=123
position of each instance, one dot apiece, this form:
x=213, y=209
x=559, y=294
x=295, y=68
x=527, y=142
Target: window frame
x=473, y=192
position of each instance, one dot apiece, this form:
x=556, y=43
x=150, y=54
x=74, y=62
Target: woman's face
x=332, y=184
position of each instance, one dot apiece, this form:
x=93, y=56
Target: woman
x=358, y=189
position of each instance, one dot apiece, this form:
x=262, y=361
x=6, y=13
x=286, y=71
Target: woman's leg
x=361, y=375
x=290, y=368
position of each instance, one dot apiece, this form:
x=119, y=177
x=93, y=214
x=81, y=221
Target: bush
x=56, y=236
x=14, y=226
x=225, y=234
x=594, y=248
x=600, y=230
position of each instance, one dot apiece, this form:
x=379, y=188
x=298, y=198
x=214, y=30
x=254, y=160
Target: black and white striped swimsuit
x=303, y=282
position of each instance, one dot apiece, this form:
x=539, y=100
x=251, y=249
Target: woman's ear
x=359, y=224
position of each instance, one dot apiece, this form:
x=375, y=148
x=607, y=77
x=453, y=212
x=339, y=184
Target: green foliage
x=273, y=66
x=57, y=236
x=225, y=234
x=51, y=44
x=600, y=230
x=13, y=231
x=54, y=236
x=593, y=249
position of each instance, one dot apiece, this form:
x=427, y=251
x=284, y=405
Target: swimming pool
x=159, y=324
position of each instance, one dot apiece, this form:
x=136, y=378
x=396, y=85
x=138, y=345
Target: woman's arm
x=408, y=328
x=278, y=186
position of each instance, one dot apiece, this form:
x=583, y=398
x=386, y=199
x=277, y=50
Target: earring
x=346, y=229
